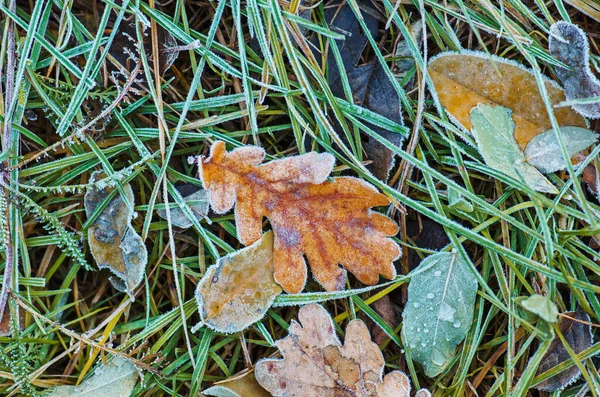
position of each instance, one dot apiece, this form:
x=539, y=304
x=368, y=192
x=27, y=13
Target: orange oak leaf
x=329, y=222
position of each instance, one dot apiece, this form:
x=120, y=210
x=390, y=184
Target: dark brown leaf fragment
x=578, y=334
x=369, y=83
x=569, y=44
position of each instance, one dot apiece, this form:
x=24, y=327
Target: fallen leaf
x=578, y=335
x=542, y=306
x=493, y=129
x=237, y=291
x=315, y=364
x=114, y=243
x=543, y=151
x=125, y=49
x=426, y=234
x=5, y=323
x=387, y=311
x=238, y=386
x=5, y=326
x=370, y=86
x=457, y=201
x=328, y=221
x=115, y=379
x=439, y=310
x=463, y=81
x=196, y=198
x=569, y=44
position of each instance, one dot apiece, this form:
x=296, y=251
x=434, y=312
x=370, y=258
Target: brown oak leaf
x=315, y=364
x=329, y=222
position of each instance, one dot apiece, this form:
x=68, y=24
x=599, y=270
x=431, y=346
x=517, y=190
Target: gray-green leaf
x=439, y=311
x=541, y=306
x=543, y=151
x=457, y=201
x=493, y=129
x=115, y=379
x=197, y=201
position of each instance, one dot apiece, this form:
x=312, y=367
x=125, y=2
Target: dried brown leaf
x=125, y=49
x=328, y=221
x=463, y=81
x=5, y=326
x=569, y=44
x=244, y=385
x=237, y=290
x=114, y=243
x=316, y=364
x=578, y=334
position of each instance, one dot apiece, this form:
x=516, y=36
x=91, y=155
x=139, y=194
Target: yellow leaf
x=237, y=291
x=463, y=81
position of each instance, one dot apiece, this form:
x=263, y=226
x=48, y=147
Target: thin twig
x=83, y=339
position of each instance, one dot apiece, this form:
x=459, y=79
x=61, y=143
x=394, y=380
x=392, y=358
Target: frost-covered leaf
x=7, y=317
x=457, y=201
x=493, y=129
x=543, y=151
x=126, y=50
x=439, y=311
x=114, y=243
x=237, y=290
x=329, y=222
x=5, y=323
x=569, y=44
x=315, y=364
x=115, y=379
x=578, y=334
x=237, y=386
x=196, y=198
x=542, y=306
x=369, y=83
x=463, y=81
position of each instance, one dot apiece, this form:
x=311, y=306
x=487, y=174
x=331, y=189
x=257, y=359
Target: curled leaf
x=463, y=81
x=328, y=221
x=543, y=151
x=237, y=290
x=439, y=311
x=237, y=386
x=114, y=243
x=577, y=331
x=115, y=379
x=493, y=129
x=569, y=44
x=196, y=198
x=316, y=364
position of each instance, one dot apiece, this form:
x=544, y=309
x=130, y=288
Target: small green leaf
x=541, y=306
x=493, y=129
x=543, y=151
x=439, y=311
x=457, y=201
